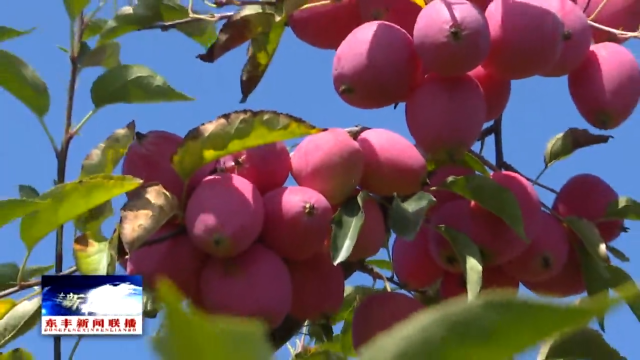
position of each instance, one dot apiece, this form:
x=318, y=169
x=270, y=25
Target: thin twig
x=486, y=132
x=30, y=284
x=620, y=33
x=509, y=167
x=497, y=140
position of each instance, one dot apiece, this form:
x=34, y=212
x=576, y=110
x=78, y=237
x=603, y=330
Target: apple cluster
x=249, y=245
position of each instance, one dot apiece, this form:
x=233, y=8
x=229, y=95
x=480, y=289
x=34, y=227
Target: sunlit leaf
x=380, y=264
x=75, y=7
x=22, y=81
x=67, y=201
x=488, y=328
x=593, y=242
x=91, y=254
x=624, y=208
x=17, y=354
x=618, y=278
x=93, y=28
x=6, y=305
x=20, y=320
x=189, y=333
x=133, y=84
x=234, y=132
x=12, y=209
x=201, y=31
x=7, y=33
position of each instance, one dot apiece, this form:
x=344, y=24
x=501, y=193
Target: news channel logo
x=92, y=305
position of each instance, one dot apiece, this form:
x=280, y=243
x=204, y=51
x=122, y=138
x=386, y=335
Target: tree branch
x=497, y=138
x=33, y=283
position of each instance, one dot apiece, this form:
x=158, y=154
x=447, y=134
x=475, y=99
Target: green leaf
x=241, y=27
x=106, y=55
x=12, y=209
x=320, y=331
x=346, y=337
x=617, y=253
x=381, y=264
x=105, y=157
x=590, y=236
x=91, y=254
x=69, y=200
x=469, y=258
x=132, y=84
x=618, y=278
x=17, y=354
x=128, y=19
x=7, y=33
x=406, y=217
x=201, y=31
x=22, y=81
x=488, y=328
x=189, y=333
x=6, y=305
x=75, y=7
x=346, y=226
x=9, y=274
x=20, y=320
x=585, y=343
x=261, y=50
x=28, y=192
x=352, y=297
x=491, y=196
x=595, y=275
x=564, y=144
x=233, y=132
x=624, y=208
x=93, y=28
x=472, y=162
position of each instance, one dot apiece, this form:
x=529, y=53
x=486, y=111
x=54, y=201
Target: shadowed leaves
x=234, y=132
x=133, y=84
x=16, y=354
x=27, y=192
x=584, y=343
x=261, y=51
x=406, y=217
x=346, y=226
x=106, y=55
x=9, y=274
x=491, y=196
x=566, y=143
x=22, y=81
x=238, y=29
x=148, y=208
x=12, y=209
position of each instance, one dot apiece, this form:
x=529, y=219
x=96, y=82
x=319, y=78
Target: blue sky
x=298, y=82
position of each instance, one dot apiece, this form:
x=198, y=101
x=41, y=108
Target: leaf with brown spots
x=233, y=132
x=148, y=209
x=566, y=143
x=240, y=28
x=261, y=51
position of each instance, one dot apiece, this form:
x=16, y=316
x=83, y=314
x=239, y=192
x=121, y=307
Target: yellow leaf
x=91, y=253
x=67, y=201
x=234, y=132
x=5, y=306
